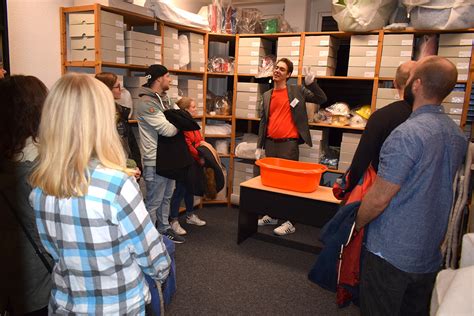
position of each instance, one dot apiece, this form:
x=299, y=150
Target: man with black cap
x=151, y=123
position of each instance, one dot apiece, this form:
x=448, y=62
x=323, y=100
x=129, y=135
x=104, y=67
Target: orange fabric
x=280, y=119
x=193, y=139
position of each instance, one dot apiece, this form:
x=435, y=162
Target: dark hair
x=438, y=76
x=22, y=102
x=288, y=63
x=108, y=78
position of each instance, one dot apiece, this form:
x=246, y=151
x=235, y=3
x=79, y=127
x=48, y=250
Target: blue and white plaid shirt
x=102, y=243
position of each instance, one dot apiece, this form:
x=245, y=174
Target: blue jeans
x=179, y=193
x=158, y=195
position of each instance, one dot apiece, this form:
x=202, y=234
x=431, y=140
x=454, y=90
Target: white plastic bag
x=440, y=14
x=166, y=11
x=362, y=15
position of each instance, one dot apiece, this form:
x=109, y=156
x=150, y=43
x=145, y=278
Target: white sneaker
x=176, y=227
x=267, y=220
x=285, y=229
x=195, y=220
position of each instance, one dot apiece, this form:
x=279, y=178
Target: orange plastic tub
x=290, y=175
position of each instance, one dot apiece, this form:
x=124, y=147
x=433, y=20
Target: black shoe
x=173, y=236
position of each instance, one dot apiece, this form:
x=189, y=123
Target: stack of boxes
x=142, y=49
x=173, y=91
x=133, y=85
x=249, y=96
x=251, y=51
x=196, y=51
x=312, y=154
x=170, y=48
x=397, y=49
x=289, y=47
x=82, y=37
x=193, y=88
x=320, y=54
x=242, y=172
x=348, y=147
x=453, y=105
x=362, y=56
x=457, y=48
x=385, y=96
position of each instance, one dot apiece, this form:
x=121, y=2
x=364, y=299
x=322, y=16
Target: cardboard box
x=307, y=159
x=389, y=61
x=293, y=59
x=244, y=167
x=248, y=60
x=345, y=156
x=460, y=63
x=86, y=43
x=252, y=70
x=397, y=51
x=455, y=51
x=194, y=93
x=133, y=60
x=398, y=40
x=456, y=39
x=320, y=40
x=106, y=55
x=462, y=74
x=196, y=66
x=254, y=42
x=88, y=30
x=197, y=50
x=248, y=96
x=239, y=104
x=388, y=93
x=361, y=72
x=136, y=52
x=195, y=37
x=170, y=32
x=453, y=108
x=171, y=43
x=351, y=138
x=143, y=45
x=243, y=113
x=380, y=102
x=364, y=40
x=252, y=51
x=368, y=62
x=343, y=165
x=75, y=18
x=321, y=71
x=288, y=51
x=170, y=63
x=82, y=55
x=120, y=4
x=363, y=51
x=134, y=82
x=320, y=51
x=387, y=72
x=290, y=41
x=320, y=61
x=455, y=97
x=349, y=147
x=169, y=53
x=191, y=84
x=143, y=37
x=250, y=87
x=455, y=118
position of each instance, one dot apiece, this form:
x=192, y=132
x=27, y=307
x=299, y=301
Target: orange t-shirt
x=280, y=120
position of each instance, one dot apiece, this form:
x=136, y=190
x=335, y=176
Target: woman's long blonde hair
x=77, y=125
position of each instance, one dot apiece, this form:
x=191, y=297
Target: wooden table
x=314, y=208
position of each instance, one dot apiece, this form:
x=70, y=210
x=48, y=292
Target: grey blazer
x=312, y=93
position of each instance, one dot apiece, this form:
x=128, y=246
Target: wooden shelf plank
x=344, y=78
x=247, y=119
x=336, y=126
x=270, y=35
x=219, y=117
x=216, y=136
x=219, y=74
x=214, y=201
x=189, y=72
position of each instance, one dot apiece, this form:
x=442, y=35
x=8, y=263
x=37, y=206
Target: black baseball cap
x=154, y=72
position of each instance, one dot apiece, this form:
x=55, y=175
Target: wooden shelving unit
x=133, y=19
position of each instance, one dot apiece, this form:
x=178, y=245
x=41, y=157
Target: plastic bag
x=229, y=20
x=265, y=69
x=362, y=15
x=440, y=14
x=270, y=26
x=248, y=21
x=215, y=16
x=167, y=12
x=221, y=64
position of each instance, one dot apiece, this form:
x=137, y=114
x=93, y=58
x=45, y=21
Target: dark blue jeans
x=179, y=193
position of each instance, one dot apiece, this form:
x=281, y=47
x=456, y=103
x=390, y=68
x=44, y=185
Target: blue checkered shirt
x=102, y=244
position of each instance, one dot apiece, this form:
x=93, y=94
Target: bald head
x=403, y=73
x=438, y=77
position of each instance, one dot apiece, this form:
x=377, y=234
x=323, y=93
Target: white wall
x=317, y=8
x=34, y=41
x=296, y=13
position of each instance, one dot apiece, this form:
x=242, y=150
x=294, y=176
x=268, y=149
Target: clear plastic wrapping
x=248, y=21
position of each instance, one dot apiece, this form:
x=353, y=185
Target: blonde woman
x=89, y=210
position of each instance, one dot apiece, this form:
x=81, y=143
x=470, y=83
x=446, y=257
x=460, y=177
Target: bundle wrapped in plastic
x=360, y=116
x=362, y=15
x=221, y=64
x=265, y=69
x=248, y=21
x=215, y=16
x=219, y=105
x=339, y=113
x=229, y=20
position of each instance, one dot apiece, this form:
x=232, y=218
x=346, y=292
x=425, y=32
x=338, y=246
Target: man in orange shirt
x=284, y=123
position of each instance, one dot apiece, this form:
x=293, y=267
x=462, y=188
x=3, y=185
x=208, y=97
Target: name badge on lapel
x=294, y=102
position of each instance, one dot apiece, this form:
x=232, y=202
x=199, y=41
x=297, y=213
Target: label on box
x=313, y=155
x=250, y=115
x=199, y=95
x=405, y=53
x=462, y=77
x=252, y=99
x=119, y=36
x=407, y=42
x=455, y=111
x=157, y=48
x=201, y=50
x=253, y=89
x=372, y=43
x=252, y=107
x=157, y=40
x=175, y=56
x=175, y=66
x=466, y=41
x=119, y=24
x=457, y=100
x=323, y=53
x=320, y=73
x=175, y=46
x=249, y=170
x=201, y=69
x=254, y=62
x=253, y=54
x=465, y=54
x=295, y=43
x=370, y=64
x=324, y=43
x=322, y=62
x=368, y=74
x=253, y=71
x=200, y=41
x=157, y=56
x=370, y=53
x=174, y=36
x=120, y=48
x=120, y=60
x=294, y=53
x=255, y=44
x=462, y=65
